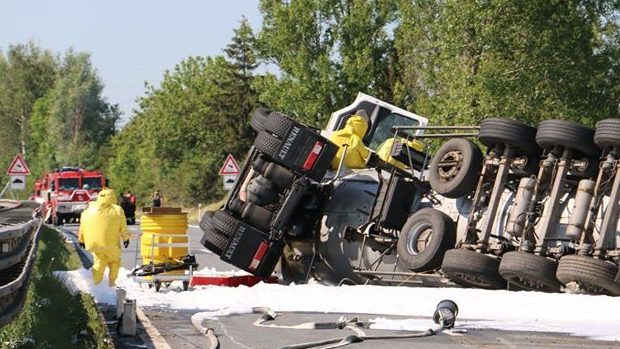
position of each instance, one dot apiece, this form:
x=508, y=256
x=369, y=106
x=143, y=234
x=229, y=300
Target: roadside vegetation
x=52, y=317
x=454, y=62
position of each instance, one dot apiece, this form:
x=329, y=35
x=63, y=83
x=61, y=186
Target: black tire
x=267, y=144
x=278, y=124
x=607, y=133
x=454, y=169
x=424, y=239
x=567, y=134
x=224, y=223
x=507, y=131
x=214, y=241
x=592, y=274
x=529, y=271
x=185, y=285
x=157, y=285
x=206, y=221
x=257, y=216
x=258, y=119
x=472, y=269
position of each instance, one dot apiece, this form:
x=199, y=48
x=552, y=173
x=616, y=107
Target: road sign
x=230, y=167
x=229, y=182
x=18, y=182
x=18, y=167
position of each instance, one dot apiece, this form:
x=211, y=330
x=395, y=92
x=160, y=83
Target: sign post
x=229, y=172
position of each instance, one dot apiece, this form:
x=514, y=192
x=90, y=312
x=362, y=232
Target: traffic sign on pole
x=18, y=182
x=18, y=167
x=229, y=182
x=230, y=166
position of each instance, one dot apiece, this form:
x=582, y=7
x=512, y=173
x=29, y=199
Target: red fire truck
x=67, y=191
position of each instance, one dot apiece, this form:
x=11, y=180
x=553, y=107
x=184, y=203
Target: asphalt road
x=238, y=331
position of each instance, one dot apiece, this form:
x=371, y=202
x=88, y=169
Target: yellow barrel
x=169, y=223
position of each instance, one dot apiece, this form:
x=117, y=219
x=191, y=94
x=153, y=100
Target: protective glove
x=126, y=243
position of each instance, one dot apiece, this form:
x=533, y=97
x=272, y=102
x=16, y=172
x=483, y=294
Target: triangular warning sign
x=230, y=166
x=18, y=167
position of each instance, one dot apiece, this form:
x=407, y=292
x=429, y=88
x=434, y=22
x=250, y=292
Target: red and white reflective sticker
x=258, y=256
x=313, y=156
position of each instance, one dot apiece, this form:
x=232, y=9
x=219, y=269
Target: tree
x=326, y=52
x=184, y=128
x=73, y=120
x=238, y=97
x=526, y=60
x=26, y=74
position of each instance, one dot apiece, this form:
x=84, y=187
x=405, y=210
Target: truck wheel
x=214, y=241
x=224, y=223
x=424, y=239
x=472, y=269
x=257, y=216
x=607, y=133
x=454, y=169
x=258, y=119
x=569, y=135
x=592, y=274
x=529, y=271
x=507, y=131
x=279, y=124
x=267, y=144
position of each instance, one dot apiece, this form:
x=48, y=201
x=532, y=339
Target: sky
x=130, y=41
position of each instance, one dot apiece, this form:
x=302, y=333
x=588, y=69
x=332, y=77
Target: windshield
x=384, y=130
x=94, y=183
x=69, y=183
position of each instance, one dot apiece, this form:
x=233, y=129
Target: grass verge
x=52, y=317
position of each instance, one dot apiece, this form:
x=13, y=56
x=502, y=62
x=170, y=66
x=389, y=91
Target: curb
x=154, y=337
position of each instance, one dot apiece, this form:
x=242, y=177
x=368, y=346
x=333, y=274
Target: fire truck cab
x=67, y=191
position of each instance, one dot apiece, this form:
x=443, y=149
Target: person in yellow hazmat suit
x=384, y=152
x=351, y=135
x=102, y=227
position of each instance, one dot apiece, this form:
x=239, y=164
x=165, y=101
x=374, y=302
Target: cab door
x=383, y=116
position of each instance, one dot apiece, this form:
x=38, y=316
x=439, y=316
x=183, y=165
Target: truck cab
x=67, y=191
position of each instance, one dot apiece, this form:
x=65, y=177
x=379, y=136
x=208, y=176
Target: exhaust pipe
x=583, y=199
x=517, y=216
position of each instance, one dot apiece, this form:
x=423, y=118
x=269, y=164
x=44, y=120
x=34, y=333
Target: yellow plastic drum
x=162, y=228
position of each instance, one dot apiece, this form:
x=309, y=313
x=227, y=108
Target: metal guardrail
x=19, y=232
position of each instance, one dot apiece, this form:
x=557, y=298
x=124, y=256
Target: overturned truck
x=505, y=218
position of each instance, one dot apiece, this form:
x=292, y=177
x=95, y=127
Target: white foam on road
x=596, y=317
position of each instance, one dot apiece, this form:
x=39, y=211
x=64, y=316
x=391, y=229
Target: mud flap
x=252, y=251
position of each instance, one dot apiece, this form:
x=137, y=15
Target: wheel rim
x=450, y=165
x=528, y=283
x=474, y=280
x=591, y=288
x=418, y=238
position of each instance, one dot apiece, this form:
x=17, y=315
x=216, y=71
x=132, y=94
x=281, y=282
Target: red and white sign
x=230, y=167
x=18, y=167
